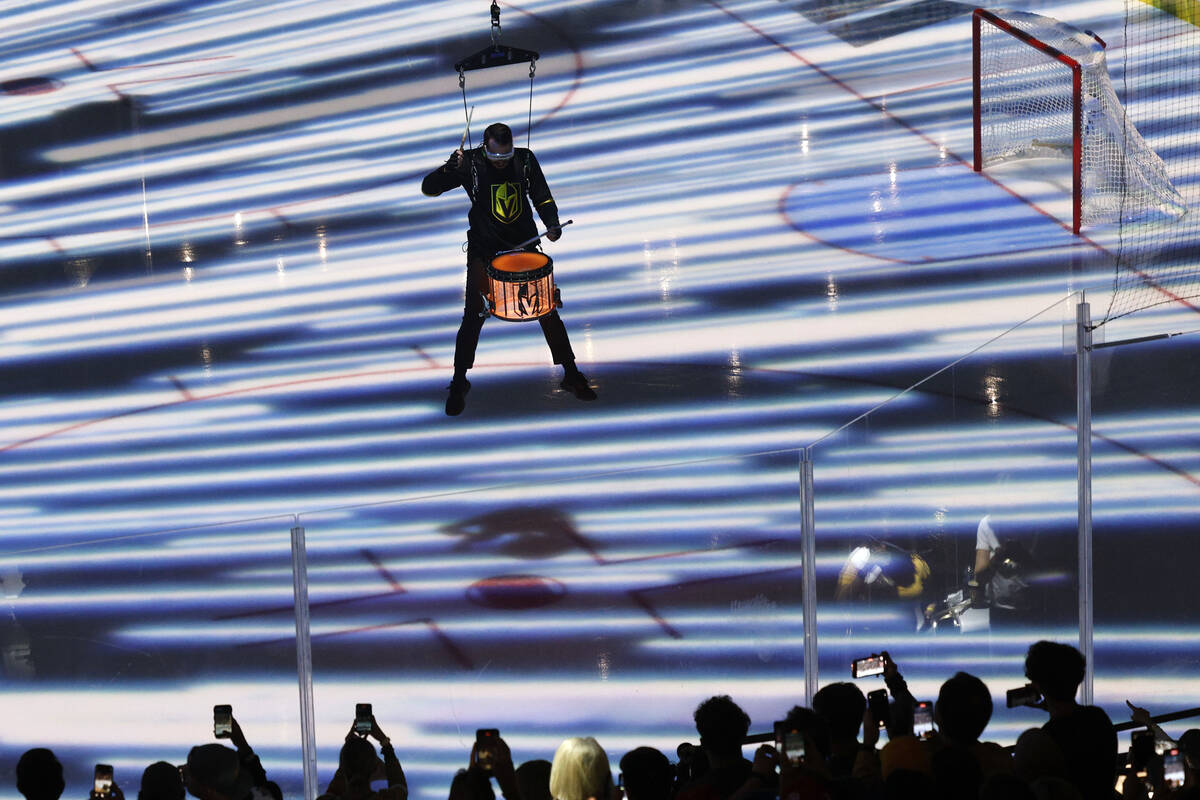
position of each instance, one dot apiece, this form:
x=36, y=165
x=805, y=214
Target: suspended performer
x=504, y=183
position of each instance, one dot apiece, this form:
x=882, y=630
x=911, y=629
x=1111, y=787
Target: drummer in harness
x=504, y=183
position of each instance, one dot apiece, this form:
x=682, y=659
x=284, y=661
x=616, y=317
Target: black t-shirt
x=1089, y=745
x=502, y=200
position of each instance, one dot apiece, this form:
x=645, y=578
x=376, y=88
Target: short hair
x=964, y=706
x=646, y=774
x=499, y=133
x=1057, y=669
x=161, y=781
x=721, y=723
x=533, y=779
x=580, y=770
x=357, y=758
x=814, y=727
x=842, y=705
x=40, y=775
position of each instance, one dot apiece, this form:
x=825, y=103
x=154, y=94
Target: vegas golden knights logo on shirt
x=506, y=201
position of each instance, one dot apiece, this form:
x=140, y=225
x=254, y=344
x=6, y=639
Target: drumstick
x=528, y=242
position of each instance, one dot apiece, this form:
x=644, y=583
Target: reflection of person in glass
x=999, y=576
x=504, y=184
x=882, y=572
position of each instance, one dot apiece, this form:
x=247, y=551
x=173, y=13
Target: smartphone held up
x=364, y=719
x=103, y=781
x=1173, y=772
x=866, y=667
x=877, y=702
x=789, y=743
x=1027, y=695
x=222, y=721
x=923, y=720
x=486, y=740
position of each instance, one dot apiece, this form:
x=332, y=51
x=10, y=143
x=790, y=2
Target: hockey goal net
x=1041, y=90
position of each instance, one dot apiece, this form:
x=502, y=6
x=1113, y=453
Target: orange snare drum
x=521, y=285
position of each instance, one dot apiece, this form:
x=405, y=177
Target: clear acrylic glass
x=972, y=468
x=115, y=650
x=608, y=606
x=1145, y=463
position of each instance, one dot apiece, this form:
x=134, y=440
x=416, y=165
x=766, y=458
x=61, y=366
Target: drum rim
x=548, y=262
x=505, y=276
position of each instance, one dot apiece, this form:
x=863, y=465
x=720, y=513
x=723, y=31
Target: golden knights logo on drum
x=506, y=201
x=529, y=301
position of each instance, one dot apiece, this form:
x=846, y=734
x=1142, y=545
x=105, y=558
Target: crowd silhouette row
x=828, y=752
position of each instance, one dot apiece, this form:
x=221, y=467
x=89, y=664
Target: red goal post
x=1042, y=90
x=982, y=17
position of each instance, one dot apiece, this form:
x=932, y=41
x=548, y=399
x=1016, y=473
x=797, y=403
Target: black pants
x=472, y=322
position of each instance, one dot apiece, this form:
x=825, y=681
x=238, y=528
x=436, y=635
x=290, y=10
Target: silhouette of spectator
x=1189, y=747
x=1084, y=734
x=908, y=784
x=1005, y=786
x=722, y=726
x=646, y=774
x=471, y=785
x=817, y=739
x=841, y=705
x=962, y=711
x=1142, y=717
x=900, y=711
x=533, y=780
x=801, y=777
x=1038, y=761
x=214, y=772
x=359, y=763
x=161, y=781
x=580, y=771
x=903, y=753
x=39, y=775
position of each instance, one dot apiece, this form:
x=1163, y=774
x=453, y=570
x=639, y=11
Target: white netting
x=1026, y=103
x=1158, y=261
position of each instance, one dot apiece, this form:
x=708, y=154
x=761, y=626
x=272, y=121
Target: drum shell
x=519, y=294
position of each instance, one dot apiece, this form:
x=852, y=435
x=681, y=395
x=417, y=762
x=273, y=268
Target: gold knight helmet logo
x=506, y=201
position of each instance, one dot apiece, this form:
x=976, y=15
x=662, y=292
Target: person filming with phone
x=490, y=758
x=1084, y=734
x=214, y=772
x=359, y=763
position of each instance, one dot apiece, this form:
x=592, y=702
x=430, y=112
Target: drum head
x=520, y=262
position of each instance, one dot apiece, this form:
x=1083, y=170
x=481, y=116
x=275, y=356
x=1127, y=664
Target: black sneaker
x=577, y=383
x=457, y=399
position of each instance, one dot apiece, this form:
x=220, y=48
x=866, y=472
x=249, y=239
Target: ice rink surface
x=229, y=312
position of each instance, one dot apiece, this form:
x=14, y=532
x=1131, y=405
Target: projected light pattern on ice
x=229, y=311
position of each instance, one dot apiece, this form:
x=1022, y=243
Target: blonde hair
x=580, y=771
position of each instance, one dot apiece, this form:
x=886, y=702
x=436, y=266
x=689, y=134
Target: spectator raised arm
x=359, y=763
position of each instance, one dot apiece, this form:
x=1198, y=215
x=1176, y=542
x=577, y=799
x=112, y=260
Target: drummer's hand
x=455, y=160
x=554, y=233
